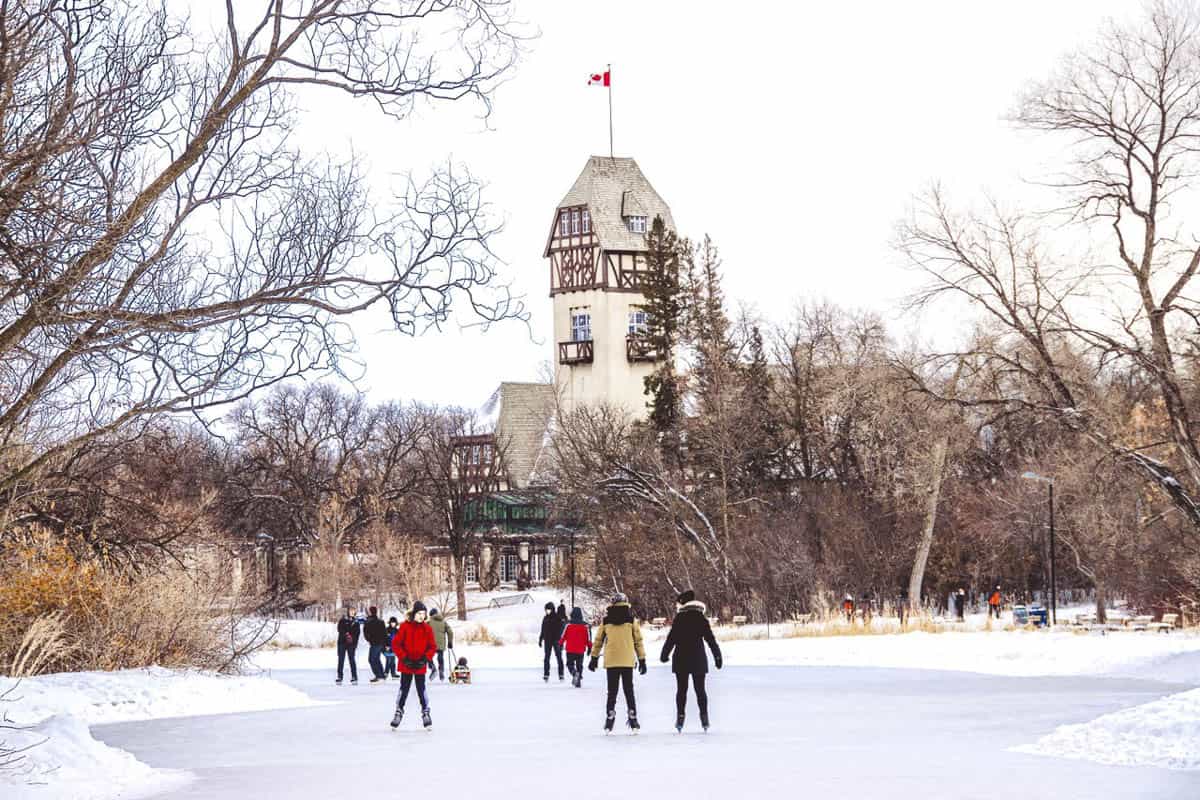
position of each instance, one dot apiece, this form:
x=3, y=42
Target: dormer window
x=575, y=222
x=636, y=224
x=564, y=223
x=587, y=222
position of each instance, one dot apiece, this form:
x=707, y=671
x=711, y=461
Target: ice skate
x=577, y=681
x=397, y=718
x=679, y=723
x=632, y=722
x=609, y=721
x=338, y=682
x=426, y=720
x=704, y=720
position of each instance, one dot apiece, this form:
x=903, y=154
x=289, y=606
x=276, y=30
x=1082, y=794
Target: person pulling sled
x=414, y=644
x=619, y=638
x=577, y=637
x=689, y=632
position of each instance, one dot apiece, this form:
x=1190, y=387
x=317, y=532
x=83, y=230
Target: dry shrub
x=60, y=613
x=481, y=635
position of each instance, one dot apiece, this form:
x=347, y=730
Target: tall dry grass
x=61, y=613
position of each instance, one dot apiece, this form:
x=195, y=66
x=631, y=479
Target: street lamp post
x=560, y=527
x=1033, y=476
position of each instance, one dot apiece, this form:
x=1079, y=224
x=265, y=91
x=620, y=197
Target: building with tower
x=597, y=247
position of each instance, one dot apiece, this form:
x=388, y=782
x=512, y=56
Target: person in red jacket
x=414, y=644
x=577, y=636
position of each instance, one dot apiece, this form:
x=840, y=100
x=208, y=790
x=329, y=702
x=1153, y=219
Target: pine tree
x=763, y=428
x=664, y=308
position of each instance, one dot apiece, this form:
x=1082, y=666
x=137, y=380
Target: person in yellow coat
x=619, y=638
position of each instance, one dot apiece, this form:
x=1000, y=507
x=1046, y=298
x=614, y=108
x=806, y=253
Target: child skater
x=414, y=644
x=577, y=636
x=620, y=639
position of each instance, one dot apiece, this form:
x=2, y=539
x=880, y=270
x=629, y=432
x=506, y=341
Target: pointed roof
x=522, y=414
x=612, y=189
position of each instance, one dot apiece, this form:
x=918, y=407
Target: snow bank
x=54, y=712
x=1163, y=733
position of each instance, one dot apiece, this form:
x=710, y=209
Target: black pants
x=681, y=692
x=575, y=663
x=623, y=676
x=440, y=669
x=995, y=611
x=557, y=648
x=343, y=651
x=406, y=682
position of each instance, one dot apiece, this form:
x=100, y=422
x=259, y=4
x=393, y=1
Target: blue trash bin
x=1039, y=616
x=1020, y=615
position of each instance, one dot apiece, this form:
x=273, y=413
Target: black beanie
x=686, y=597
x=549, y=606
x=418, y=606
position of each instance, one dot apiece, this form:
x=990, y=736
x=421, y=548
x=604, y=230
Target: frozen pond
x=814, y=732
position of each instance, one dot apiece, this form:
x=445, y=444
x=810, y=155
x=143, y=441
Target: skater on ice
x=619, y=638
x=347, y=642
x=994, y=601
x=577, y=637
x=389, y=658
x=375, y=632
x=548, y=640
x=689, y=633
x=414, y=645
x=444, y=636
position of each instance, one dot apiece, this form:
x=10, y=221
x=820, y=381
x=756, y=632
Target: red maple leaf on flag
x=600, y=79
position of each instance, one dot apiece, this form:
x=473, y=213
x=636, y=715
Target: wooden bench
x=1168, y=623
x=740, y=619
x=1141, y=623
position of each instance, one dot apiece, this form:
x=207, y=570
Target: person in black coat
x=689, y=631
x=375, y=632
x=347, y=642
x=552, y=628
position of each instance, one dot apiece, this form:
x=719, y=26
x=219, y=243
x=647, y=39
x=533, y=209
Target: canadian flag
x=600, y=79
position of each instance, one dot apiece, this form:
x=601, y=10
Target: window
x=575, y=222
x=581, y=324
x=636, y=224
x=587, y=221
x=564, y=223
x=639, y=321
x=510, y=565
x=539, y=567
x=470, y=570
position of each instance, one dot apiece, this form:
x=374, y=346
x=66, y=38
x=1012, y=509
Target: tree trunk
x=937, y=471
x=460, y=585
x=1101, y=602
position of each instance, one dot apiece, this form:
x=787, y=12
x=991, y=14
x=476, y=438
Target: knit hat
x=549, y=606
x=685, y=597
x=418, y=607
x=433, y=612
x=619, y=597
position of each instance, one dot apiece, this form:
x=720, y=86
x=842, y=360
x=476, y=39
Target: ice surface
x=816, y=732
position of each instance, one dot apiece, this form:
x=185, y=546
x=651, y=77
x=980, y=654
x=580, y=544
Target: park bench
x=803, y=619
x=740, y=619
x=510, y=600
x=1141, y=623
x=658, y=622
x=1168, y=622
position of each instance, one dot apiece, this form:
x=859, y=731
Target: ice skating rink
x=811, y=732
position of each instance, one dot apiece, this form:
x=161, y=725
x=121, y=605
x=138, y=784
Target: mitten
x=664, y=658
x=641, y=666
x=717, y=661
x=593, y=663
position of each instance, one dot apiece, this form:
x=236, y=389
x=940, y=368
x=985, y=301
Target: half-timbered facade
x=596, y=248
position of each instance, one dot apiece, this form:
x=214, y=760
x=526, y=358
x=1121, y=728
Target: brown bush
x=60, y=613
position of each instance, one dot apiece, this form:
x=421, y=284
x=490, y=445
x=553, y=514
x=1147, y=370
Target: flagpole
x=608, y=74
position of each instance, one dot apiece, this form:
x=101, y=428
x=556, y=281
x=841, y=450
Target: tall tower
x=597, y=249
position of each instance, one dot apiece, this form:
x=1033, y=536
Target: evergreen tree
x=763, y=427
x=665, y=305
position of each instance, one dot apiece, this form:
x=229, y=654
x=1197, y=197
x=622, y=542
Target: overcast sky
x=795, y=135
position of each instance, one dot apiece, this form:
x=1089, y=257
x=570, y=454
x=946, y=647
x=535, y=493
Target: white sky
x=795, y=135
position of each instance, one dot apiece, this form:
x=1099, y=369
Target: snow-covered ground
x=52, y=714
x=1161, y=733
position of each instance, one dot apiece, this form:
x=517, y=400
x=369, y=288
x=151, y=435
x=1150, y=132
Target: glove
x=414, y=663
x=641, y=666
x=664, y=659
x=593, y=663
x=717, y=661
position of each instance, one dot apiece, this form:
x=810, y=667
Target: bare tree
x=164, y=247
